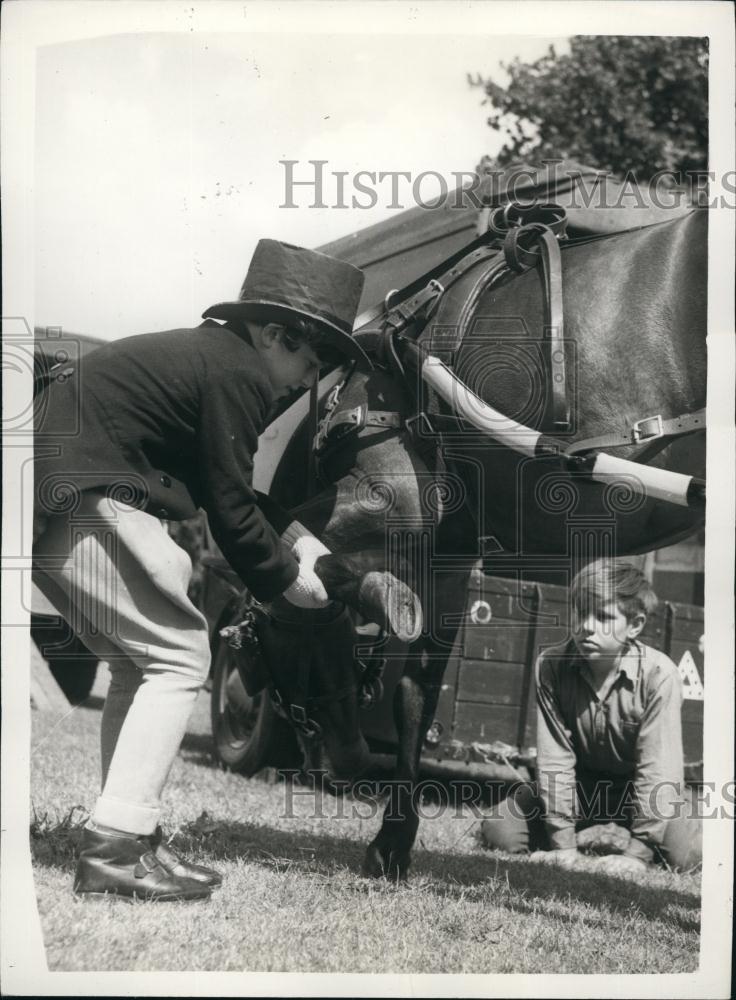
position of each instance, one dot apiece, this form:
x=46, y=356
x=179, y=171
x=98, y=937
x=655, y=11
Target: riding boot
x=124, y=864
x=376, y=593
x=175, y=864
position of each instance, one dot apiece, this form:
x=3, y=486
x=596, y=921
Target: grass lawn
x=294, y=899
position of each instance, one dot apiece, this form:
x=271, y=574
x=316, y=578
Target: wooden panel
x=491, y=683
x=688, y=612
x=692, y=713
x=444, y=715
x=552, y=621
x=678, y=650
x=485, y=723
x=692, y=740
x=687, y=630
x=507, y=598
x=529, y=736
x=500, y=641
x=497, y=585
x=501, y=605
x=654, y=633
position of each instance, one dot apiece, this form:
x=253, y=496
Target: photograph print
x=358, y=568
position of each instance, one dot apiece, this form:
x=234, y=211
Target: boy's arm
x=658, y=778
x=555, y=759
x=233, y=409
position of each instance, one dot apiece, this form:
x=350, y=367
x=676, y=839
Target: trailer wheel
x=248, y=733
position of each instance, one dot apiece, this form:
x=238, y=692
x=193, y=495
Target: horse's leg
x=415, y=701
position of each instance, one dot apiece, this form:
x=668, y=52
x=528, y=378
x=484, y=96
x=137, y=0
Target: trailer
x=484, y=723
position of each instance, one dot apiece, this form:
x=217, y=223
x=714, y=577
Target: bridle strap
x=524, y=246
x=312, y=473
x=648, y=429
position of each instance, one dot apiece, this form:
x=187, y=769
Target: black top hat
x=285, y=283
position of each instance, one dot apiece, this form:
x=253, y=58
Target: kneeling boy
x=609, y=740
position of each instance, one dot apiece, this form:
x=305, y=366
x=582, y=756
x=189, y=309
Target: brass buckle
x=639, y=433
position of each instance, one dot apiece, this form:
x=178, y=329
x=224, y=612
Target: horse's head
x=313, y=678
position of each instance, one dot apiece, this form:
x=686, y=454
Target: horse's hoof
x=381, y=862
x=389, y=602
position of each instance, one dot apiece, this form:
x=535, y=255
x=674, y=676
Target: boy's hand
x=606, y=838
x=568, y=857
x=620, y=864
x=307, y=591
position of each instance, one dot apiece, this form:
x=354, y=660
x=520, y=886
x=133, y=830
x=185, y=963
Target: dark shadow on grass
x=199, y=749
x=516, y=884
x=94, y=702
x=449, y=875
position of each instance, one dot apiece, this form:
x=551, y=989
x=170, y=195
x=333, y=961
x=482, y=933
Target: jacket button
x=165, y=481
x=163, y=512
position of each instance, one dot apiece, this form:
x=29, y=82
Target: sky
x=156, y=165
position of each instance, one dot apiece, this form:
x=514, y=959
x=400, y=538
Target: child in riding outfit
x=152, y=428
x=609, y=743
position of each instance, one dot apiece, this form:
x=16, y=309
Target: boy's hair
x=611, y=580
x=301, y=331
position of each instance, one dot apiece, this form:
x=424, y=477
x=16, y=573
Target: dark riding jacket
x=168, y=422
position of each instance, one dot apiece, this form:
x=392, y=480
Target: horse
x=634, y=306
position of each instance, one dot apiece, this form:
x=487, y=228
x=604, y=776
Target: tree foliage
x=618, y=103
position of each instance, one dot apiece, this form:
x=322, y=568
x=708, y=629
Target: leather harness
x=517, y=239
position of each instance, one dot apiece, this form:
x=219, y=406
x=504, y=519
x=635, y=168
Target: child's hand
x=608, y=838
x=620, y=864
x=307, y=591
x=568, y=857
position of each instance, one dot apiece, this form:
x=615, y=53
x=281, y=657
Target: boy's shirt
x=633, y=734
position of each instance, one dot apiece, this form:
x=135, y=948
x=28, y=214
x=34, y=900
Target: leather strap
x=523, y=247
x=508, y=219
x=312, y=477
x=449, y=270
x=644, y=430
x=359, y=418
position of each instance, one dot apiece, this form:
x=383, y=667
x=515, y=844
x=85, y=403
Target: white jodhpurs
x=121, y=582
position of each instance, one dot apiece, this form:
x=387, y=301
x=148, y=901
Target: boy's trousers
x=121, y=582
x=516, y=825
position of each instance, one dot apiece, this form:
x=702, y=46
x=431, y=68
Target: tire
x=247, y=732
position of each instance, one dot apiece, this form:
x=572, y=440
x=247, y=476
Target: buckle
x=298, y=714
x=427, y=429
x=147, y=863
x=335, y=430
x=421, y=306
x=353, y=420
x=324, y=425
x=640, y=432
